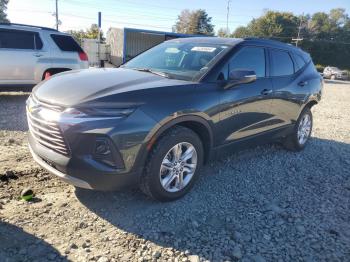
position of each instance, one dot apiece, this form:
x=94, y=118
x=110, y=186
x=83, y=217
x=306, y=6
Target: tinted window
x=16, y=39
x=282, y=63
x=252, y=58
x=38, y=42
x=299, y=62
x=66, y=43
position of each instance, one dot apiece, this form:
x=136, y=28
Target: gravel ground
x=262, y=204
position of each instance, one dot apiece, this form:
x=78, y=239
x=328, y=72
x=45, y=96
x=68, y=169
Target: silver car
x=29, y=54
x=333, y=73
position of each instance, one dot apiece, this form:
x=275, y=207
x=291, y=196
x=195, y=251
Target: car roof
x=235, y=41
x=32, y=28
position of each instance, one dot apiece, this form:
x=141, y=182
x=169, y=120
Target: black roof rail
x=34, y=26
x=264, y=39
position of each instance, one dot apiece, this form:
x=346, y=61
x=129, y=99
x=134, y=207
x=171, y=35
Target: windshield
x=184, y=61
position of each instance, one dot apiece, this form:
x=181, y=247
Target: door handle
x=266, y=92
x=302, y=83
x=37, y=55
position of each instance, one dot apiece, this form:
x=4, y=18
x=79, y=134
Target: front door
x=246, y=108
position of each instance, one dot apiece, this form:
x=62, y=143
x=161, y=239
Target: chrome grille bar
x=46, y=133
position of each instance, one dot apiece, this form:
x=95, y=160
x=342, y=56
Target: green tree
x=320, y=26
x=280, y=25
x=241, y=32
x=91, y=33
x=194, y=22
x=3, y=8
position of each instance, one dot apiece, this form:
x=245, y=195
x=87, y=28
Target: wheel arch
x=55, y=70
x=310, y=104
x=196, y=123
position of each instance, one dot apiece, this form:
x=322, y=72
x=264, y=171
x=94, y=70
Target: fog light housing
x=105, y=152
x=102, y=147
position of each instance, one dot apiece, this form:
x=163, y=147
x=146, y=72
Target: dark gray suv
x=156, y=120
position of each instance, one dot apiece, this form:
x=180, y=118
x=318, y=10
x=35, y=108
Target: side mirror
x=240, y=76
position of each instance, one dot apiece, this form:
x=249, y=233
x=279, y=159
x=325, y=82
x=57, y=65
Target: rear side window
x=282, y=64
x=66, y=43
x=38, y=42
x=299, y=62
x=252, y=58
x=17, y=39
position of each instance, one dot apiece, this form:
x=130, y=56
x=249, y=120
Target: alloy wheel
x=304, y=129
x=178, y=167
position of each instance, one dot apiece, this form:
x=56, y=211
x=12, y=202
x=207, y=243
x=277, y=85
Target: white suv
x=29, y=54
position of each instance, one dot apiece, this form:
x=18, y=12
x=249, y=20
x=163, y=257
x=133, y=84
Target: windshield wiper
x=159, y=73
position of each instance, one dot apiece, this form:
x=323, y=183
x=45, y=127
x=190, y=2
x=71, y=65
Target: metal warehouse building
x=126, y=43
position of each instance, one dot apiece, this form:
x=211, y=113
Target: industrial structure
x=126, y=43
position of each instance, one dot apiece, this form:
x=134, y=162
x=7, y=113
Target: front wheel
x=173, y=165
x=301, y=132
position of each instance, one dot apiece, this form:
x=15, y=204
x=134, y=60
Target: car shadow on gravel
x=258, y=200
x=18, y=245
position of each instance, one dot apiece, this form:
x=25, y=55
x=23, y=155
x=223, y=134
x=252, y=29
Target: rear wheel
x=301, y=132
x=173, y=165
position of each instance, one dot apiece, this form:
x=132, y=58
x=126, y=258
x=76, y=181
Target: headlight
x=99, y=112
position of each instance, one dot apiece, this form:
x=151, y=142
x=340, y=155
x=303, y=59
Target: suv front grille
x=45, y=132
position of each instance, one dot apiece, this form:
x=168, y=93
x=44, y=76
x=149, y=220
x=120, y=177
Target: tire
x=293, y=141
x=332, y=77
x=162, y=156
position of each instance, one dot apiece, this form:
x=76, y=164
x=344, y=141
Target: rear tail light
x=83, y=56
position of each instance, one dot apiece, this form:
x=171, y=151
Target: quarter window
x=299, y=62
x=282, y=64
x=66, y=43
x=16, y=39
x=251, y=58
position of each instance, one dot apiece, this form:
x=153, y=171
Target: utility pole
x=296, y=40
x=56, y=15
x=228, y=13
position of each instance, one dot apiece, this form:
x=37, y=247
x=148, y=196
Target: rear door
x=18, y=57
x=287, y=84
x=245, y=109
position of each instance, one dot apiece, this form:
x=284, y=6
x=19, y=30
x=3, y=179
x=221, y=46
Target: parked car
x=29, y=54
x=331, y=72
x=156, y=120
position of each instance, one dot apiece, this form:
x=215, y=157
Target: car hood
x=82, y=86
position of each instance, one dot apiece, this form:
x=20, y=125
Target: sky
x=153, y=14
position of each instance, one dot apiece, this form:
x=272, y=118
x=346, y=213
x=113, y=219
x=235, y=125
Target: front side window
x=178, y=60
x=249, y=58
x=16, y=39
x=282, y=64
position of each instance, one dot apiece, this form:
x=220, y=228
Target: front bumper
x=83, y=173
x=68, y=179
x=79, y=165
